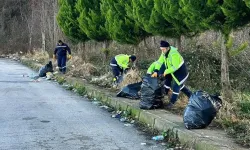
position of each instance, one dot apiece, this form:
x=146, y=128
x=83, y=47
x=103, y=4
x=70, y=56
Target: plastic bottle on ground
x=158, y=138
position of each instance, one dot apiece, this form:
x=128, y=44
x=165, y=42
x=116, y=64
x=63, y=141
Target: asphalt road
x=42, y=115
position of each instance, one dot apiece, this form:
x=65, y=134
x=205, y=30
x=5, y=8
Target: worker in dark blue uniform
x=60, y=54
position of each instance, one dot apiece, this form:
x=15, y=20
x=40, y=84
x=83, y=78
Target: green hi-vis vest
x=151, y=68
x=122, y=60
x=173, y=62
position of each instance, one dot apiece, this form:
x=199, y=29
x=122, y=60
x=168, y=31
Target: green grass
x=171, y=137
x=60, y=80
x=80, y=89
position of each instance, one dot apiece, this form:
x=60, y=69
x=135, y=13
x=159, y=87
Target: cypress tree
x=237, y=14
x=146, y=16
x=120, y=27
x=201, y=15
x=67, y=21
x=91, y=21
x=170, y=10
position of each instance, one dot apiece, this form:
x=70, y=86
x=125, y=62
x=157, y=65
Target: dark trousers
x=116, y=71
x=61, y=62
x=115, y=68
x=176, y=89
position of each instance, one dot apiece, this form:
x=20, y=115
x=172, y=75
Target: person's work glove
x=125, y=70
x=154, y=75
x=54, y=56
x=69, y=57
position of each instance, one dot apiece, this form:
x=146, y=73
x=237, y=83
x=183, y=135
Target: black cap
x=133, y=57
x=164, y=44
x=60, y=41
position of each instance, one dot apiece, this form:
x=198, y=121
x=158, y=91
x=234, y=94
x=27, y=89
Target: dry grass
x=38, y=56
x=132, y=76
x=84, y=70
x=76, y=61
x=104, y=80
x=180, y=104
x=78, y=68
x=231, y=110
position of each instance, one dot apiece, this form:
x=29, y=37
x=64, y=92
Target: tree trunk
x=55, y=25
x=225, y=82
x=43, y=41
x=179, y=43
x=43, y=32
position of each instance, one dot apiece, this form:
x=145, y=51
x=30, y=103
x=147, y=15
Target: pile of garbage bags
x=199, y=113
x=150, y=91
x=201, y=110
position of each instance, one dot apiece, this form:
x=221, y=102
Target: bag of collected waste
x=130, y=91
x=49, y=75
x=201, y=110
x=47, y=68
x=151, y=93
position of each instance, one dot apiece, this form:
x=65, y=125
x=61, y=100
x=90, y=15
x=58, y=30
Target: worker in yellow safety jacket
x=176, y=70
x=119, y=64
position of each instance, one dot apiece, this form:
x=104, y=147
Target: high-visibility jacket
x=151, y=68
x=122, y=60
x=175, y=65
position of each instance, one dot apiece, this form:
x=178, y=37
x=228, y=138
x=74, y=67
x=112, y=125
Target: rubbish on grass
x=123, y=119
x=104, y=106
x=158, y=138
x=163, y=144
x=96, y=102
x=49, y=75
x=118, y=115
x=65, y=85
x=127, y=124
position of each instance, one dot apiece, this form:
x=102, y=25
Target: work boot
x=169, y=105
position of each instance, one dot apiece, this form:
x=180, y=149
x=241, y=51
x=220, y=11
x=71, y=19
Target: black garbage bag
x=151, y=93
x=201, y=110
x=130, y=91
x=47, y=68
